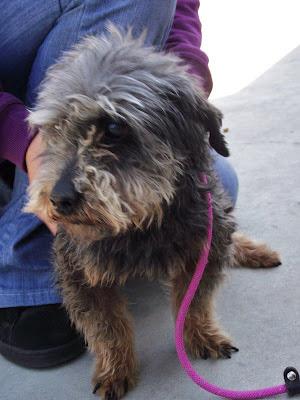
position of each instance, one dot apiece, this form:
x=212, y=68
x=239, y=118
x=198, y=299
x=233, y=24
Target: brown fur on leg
x=101, y=314
x=107, y=328
x=116, y=366
x=203, y=337
x=247, y=253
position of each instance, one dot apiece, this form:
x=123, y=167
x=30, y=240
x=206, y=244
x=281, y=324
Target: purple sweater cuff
x=14, y=133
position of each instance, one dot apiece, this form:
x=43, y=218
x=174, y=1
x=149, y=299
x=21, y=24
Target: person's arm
x=185, y=41
x=14, y=134
x=16, y=144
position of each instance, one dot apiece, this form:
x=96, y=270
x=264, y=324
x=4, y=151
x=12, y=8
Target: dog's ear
x=211, y=118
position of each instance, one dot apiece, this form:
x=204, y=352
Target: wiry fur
x=142, y=208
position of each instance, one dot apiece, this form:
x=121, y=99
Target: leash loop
x=292, y=381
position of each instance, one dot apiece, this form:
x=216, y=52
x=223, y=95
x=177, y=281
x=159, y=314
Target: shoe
x=39, y=336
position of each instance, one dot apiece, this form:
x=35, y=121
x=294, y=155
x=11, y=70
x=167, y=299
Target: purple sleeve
x=14, y=133
x=185, y=41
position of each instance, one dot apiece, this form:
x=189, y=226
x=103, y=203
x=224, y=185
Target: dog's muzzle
x=64, y=196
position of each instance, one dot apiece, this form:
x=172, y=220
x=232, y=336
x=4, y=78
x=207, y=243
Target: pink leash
x=291, y=376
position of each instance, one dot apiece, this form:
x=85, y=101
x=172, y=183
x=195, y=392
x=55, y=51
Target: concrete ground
x=260, y=309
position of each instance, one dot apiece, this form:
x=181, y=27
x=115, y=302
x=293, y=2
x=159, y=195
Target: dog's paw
x=251, y=254
x=263, y=257
x=270, y=259
x=112, y=390
x=114, y=387
x=210, y=346
x=116, y=374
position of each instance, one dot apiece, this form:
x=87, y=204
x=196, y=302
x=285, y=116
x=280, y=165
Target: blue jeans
x=32, y=35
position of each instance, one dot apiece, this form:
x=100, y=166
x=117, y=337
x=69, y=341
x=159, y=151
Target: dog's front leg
x=109, y=334
x=203, y=337
x=101, y=314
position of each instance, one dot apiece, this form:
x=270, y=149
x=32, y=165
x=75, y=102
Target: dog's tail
x=250, y=254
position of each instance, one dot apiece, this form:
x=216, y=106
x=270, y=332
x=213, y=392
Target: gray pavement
x=260, y=309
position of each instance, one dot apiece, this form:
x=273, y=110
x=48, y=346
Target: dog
x=127, y=133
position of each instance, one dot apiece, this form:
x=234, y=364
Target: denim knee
x=156, y=17
x=90, y=17
x=227, y=176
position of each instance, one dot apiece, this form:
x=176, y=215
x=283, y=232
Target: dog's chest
x=153, y=253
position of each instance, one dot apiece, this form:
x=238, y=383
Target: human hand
x=33, y=163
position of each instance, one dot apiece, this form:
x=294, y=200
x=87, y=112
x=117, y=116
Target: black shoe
x=38, y=337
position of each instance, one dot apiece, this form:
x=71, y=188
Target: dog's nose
x=64, y=196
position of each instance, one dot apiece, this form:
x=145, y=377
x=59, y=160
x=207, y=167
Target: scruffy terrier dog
x=127, y=133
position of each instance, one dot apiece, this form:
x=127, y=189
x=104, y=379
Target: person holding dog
x=35, y=330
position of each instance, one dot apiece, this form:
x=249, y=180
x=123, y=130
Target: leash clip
x=292, y=381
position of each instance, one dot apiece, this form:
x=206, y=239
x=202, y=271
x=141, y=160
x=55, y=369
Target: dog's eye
x=115, y=130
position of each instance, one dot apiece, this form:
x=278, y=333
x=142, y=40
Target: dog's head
x=121, y=124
